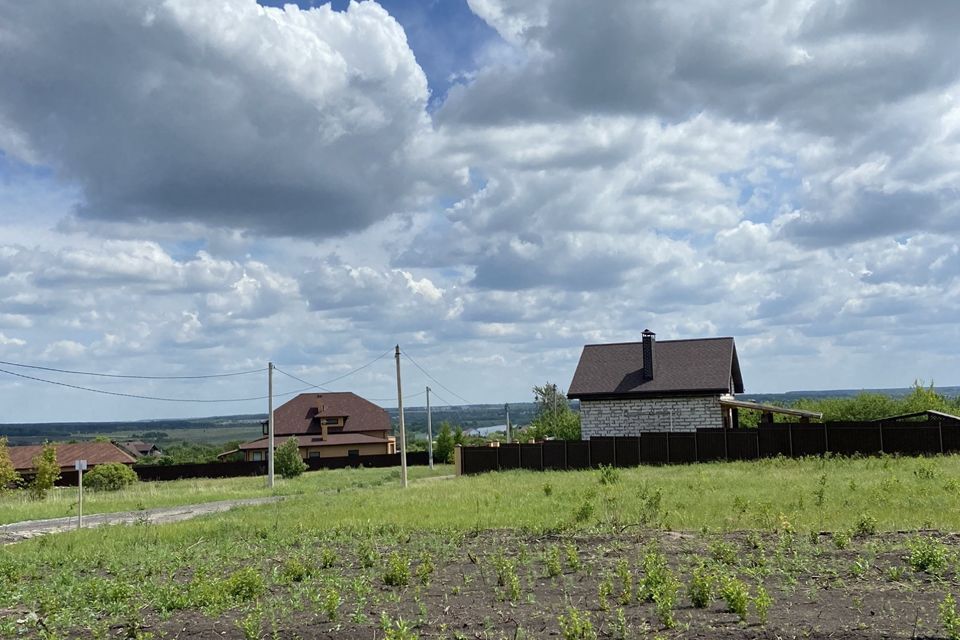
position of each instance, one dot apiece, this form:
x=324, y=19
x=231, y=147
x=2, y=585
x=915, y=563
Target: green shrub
x=626, y=582
x=287, y=460
x=397, y=571
x=609, y=474
x=112, y=476
x=244, y=584
x=665, y=599
x=552, y=560
x=425, y=568
x=573, y=557
x=700, y=589
x=949, y=618
x=46, y=472
x=841, y=539
x=762, y=603
x=866, y=525
x=9, y=478
x=656, y=574
x=734, y=592
x=576, y=625
x=927, y=555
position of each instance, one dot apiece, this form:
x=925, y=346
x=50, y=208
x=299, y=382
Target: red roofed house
x=93, y=452
x=328, y=425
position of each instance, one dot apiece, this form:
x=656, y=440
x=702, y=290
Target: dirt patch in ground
x=509, y=585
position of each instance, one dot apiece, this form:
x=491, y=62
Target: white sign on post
x=80, y=466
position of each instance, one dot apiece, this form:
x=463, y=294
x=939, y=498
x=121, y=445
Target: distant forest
x=835, y=404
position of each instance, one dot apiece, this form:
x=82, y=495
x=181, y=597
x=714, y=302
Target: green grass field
x=62, y=501
x=346, y=531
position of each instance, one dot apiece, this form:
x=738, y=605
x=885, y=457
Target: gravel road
x=17, y=531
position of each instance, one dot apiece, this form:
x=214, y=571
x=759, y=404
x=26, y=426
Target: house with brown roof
x=630, y=388
x=140, y=449
x=328, y=425
x=67, y=454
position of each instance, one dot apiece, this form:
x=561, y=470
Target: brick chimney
x=649, y=342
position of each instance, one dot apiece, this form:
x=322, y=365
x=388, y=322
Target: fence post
x=940, y=431
x=826, y=439
x=726, y=447
x=881, y=438
x=668, y=447
x=790, y=436
x=696, y=446
x=541, y=456
x=566, y=464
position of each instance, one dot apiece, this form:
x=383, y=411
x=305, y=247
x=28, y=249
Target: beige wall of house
x=331, y=451
x=343, y=450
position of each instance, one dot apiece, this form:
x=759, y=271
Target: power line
x=144, y=397
x=412, y=395
x=348, y=373
x=426, y=373
x=136, y=377
x=290, y=375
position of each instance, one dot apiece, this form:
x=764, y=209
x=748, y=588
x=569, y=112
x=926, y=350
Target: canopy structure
x=767, y=410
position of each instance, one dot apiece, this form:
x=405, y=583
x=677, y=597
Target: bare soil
x=867, y=590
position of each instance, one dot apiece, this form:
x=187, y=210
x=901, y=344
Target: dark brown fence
x=157, y=472
x=704, y=445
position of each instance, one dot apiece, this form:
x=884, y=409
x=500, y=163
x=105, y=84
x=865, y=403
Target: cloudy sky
x=198, y=188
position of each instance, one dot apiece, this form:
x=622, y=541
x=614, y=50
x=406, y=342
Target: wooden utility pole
x=429, y=430
x=270, y=424
x=506, y=407
x=403, y=430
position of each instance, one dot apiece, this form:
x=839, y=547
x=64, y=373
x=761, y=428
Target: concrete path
x=17, y=531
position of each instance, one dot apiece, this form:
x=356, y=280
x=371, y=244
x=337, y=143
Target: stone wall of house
x=633, y=417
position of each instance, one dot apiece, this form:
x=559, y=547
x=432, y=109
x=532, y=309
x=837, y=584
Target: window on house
x=353, y=452
x=314, y=454
x=256, y=456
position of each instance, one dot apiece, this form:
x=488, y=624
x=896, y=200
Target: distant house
x=93, y=452
x=328, y=425
x=140, y=449
x=672, y=385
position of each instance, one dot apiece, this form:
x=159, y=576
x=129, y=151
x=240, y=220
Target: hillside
x=219, y=429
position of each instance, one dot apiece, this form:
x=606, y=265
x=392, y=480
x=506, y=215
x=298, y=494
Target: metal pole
x=270, y=424
x=506, y=408
x=429, y=429
x=403, y=430
x=80, y=501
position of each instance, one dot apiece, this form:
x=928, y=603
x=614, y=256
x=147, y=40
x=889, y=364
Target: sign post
x=80, y=466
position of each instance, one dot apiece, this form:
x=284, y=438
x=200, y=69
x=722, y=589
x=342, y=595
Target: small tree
x=443, y=451
x=8, y=475
x=554, y=417
x=288, y=462
x=110, y=477
x=46, y=472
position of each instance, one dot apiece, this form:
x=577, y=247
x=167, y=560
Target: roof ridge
x=610, y=344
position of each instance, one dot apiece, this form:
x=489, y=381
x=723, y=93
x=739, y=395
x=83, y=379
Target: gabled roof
x=301, y=414
x=699, y=366
x=93, y=452
x=138, y=447
x=313, y=440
